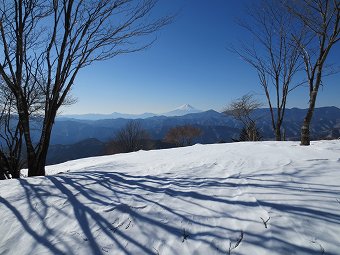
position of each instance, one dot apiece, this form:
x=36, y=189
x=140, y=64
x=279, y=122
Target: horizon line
x=162, y=114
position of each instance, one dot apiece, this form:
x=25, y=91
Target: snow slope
x=241, y=198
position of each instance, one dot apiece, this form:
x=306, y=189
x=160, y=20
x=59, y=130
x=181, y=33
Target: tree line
x=133, y=137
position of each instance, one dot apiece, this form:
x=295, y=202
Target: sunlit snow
x=240, y=198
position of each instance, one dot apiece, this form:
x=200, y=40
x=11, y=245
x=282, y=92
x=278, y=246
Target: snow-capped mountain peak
x=182, y=110
x=185, y=107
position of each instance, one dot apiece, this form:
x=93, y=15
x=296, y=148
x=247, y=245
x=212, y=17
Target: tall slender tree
x=44, y=45
x=273, y=54
x=320, y=22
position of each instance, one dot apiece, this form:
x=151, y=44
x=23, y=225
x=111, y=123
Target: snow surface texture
x=241, y=198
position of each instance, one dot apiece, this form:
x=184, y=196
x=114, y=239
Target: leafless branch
x=45, y=44
x=320, y=21
x=274, y=55
x=237, y=243
x=265, y=222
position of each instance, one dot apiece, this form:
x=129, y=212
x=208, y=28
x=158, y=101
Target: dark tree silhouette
x=242, y=109
x=44, y=45
x=249, y=133
x=319, y=21
x=182, y=135
x=273, y=54
x=11, y=136
x=131, y=138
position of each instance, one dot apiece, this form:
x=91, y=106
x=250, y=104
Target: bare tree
x=182, y=135
x=249, y=133
x=11, y=136
x=242, y=109
x=44, y=45
x=131, y=138
x=320, y=22
x=273, y=54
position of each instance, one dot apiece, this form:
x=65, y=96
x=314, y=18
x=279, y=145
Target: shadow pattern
x=101, y=212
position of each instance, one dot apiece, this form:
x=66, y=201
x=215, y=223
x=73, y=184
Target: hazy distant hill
x=325, y=124
x=73, y=139
x=216, y=126
x=58, y=153
x=72, y=131
x=114, y=115
x=179, y=111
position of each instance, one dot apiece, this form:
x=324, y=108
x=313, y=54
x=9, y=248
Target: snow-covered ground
x=241, y=198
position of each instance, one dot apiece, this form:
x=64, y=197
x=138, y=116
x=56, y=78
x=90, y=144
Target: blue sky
x=188, y=64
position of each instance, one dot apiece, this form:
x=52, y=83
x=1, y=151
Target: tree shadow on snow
x=101, y=208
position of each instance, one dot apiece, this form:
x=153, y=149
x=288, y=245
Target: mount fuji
x=182, y=110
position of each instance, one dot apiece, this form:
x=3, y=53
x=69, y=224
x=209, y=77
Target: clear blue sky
x=188, y=63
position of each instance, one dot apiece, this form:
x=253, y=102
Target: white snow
x=182, y=110
x=185, y=107
x=242, y=198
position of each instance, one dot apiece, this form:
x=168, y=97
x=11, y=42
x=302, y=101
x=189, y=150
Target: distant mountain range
x=180, y=111
x=114, y=115
x=76, y=138
x=216, y=126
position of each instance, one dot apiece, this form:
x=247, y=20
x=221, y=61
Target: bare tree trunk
x=36, y=167
x=4, y=170
x=321, y=22
x=278, y=136
x=37, y=161
x=45, y=44
x=305, y=134
x=273, y=54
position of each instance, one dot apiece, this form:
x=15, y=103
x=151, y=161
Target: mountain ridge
x=217, y=126
x=179, y=111
x=73, y=139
